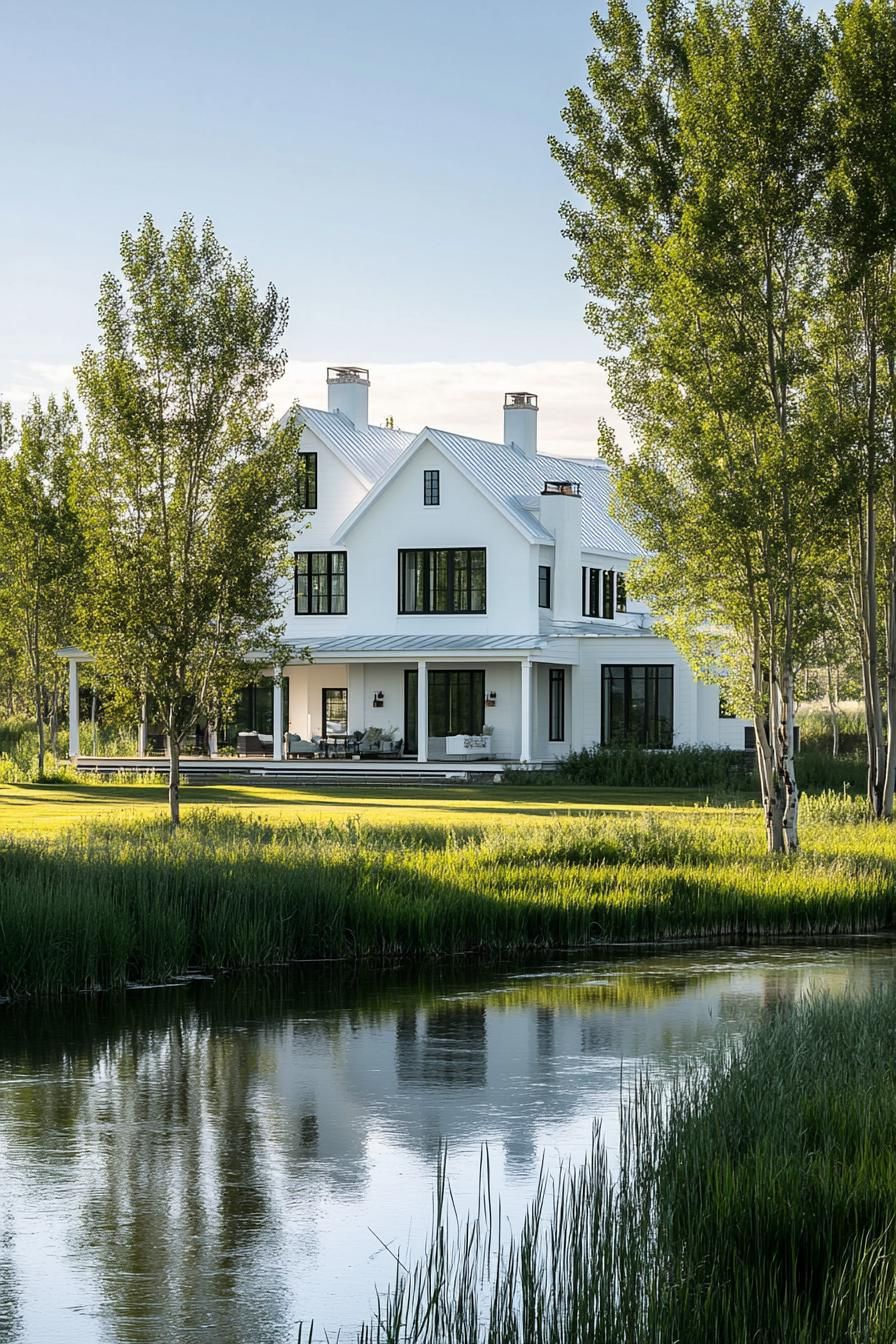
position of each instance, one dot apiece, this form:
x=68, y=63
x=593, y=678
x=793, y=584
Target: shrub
x=680, y=768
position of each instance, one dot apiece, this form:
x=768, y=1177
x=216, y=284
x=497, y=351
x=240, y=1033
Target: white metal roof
x=368, y=452
x=508, y=476
x=413, y=643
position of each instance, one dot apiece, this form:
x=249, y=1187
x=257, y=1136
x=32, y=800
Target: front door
x=456, y=700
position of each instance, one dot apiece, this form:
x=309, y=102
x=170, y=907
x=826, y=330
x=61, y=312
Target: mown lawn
x=47, y=809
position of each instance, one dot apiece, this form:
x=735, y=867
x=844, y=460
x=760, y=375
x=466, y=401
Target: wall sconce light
x=491, y=699
x=378, y=700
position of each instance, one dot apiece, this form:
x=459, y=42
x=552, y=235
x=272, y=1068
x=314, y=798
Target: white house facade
x=475, y=588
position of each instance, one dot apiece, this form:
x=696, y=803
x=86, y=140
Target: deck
x=198, y=769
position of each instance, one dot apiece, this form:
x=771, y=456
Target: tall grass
x=753, y=1202
x=132, y=901
x=18, y=749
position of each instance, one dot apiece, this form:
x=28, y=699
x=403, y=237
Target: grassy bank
x=128, y=900
x=754, y=1204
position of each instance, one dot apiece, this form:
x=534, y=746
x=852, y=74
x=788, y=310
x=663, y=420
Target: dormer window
x=307, y=482
x=430, y=488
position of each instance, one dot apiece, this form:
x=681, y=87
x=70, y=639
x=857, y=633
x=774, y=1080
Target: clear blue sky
x=384, y=163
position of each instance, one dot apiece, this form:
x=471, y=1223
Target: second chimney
x=521, y=421
x=347, y=392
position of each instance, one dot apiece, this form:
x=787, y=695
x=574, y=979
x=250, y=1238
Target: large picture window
x=307, y=483
x=637, y=705
x=441, y=581
x=557, y=705
x=320, y=583
x=456, y=700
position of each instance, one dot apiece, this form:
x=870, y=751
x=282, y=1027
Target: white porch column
x=278, y=714
x=422, y=711
x=212, y=741
x=143, y=729
x=525, y=709
x=74, y=721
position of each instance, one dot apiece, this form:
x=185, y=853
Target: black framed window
x=557, y=704
x=321, y=583
x=441, y=581
x=621, y=596
x=253, y=711
x=609, y=603
x=544, y=585
x=334, y=709
x=590, y=592
x=637, y=705
x=430, y=487
x=307, y=482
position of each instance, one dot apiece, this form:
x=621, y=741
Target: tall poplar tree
x=42, y=548
x=699, y=150
x=191, y=481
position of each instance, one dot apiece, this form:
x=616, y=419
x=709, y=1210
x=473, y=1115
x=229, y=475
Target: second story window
x=621, y=598
x=430, y=487
x=609, y=603
x=320, y=582
x=599, y=593
x=307, y=483
x=590, y=592
x=442, y=581
x=544, y=585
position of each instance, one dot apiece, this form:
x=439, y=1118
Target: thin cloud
x=464, y=397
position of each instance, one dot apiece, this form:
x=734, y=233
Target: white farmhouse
x=454, y=590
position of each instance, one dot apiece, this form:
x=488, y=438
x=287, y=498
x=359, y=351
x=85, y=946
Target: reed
x=752, y=1202
x=115, y=902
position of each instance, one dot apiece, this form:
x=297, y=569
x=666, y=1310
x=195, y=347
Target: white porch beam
x=525, y=710
x=422, y=712
x=74, y=715
x=278, y=713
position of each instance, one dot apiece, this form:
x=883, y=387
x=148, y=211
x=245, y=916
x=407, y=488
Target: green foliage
x=114, y=902
x=191, y=487
x=753, y=1202
x=717, y=769
x=42, y=551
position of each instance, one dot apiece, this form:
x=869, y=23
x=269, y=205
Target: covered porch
x=486, y=700
x=486, y=703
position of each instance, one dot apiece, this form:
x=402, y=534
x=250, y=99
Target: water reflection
x=212, y=1158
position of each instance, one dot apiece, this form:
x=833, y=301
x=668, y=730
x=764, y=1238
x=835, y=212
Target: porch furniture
x=298, y=746
x=469, y=746
x=374, y=743
x=255, y=744
x=334, y=744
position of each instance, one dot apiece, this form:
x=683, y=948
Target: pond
x=222, y=1160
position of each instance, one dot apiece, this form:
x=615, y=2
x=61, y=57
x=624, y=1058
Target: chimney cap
x=520, y=401
x=348, y=373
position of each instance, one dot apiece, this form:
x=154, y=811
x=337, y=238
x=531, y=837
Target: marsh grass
x=753, y=1202
x=120, y=901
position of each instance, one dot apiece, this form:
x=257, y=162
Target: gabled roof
x=368, y=453
x=510, y=480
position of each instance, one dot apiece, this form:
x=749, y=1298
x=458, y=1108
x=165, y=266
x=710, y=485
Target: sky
x=383, y=163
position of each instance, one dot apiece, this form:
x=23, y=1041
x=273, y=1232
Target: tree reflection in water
x=174, y=1162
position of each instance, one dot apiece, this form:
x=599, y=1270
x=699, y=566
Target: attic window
x=562, y=488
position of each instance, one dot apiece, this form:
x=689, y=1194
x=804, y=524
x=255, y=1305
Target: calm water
x=219, y=1161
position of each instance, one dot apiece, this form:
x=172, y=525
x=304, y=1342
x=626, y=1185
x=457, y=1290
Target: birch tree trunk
x=174, y=778
x=832, y=711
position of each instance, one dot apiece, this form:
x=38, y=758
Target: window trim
x=427, y=608
x=544, y=586
x=557, y=704
x=432, y=486
x=308, y=479
x=329, y=575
